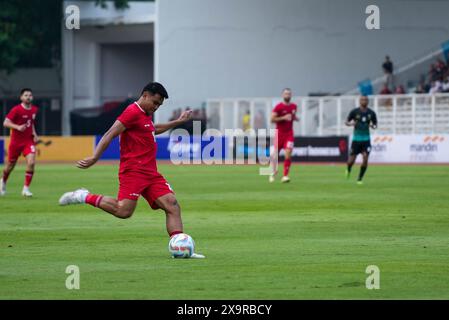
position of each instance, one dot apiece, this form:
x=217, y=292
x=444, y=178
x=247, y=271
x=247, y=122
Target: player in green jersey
x=362, y=119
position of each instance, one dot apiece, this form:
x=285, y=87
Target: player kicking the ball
x=138, y=175
x=21, y=120
x=283, y=115
x=361, y=119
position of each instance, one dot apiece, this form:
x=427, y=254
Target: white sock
x=84, y=196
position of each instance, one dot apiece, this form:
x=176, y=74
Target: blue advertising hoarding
x=186, y=147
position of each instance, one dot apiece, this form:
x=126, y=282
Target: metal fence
x=325, y=116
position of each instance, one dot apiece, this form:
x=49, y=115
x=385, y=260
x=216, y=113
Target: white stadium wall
x=254, y=48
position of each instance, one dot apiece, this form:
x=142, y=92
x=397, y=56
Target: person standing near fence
x=21, y=121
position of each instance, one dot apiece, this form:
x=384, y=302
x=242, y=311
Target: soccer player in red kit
x=283, y=115
x=21, y=121
x=138, y=174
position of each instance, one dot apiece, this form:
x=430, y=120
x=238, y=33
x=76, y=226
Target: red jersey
x=138, y=142
x=19, y=115
x=281, y=109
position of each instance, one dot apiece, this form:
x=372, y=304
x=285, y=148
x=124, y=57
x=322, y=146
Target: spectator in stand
x=400, y=89
x=388, y=65
x=440, y=69
x=445, y=87
x=388, y=69
x=173, y=116
x=420, y=89
x=385, y=89
x=246, y=121
x=436, y=86
x=433, y=74
x=385, y=102
x=441, y=65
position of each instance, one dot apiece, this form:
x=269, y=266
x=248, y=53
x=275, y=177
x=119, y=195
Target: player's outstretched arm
x=116, y=129
x=10, y=125
x=163, y=127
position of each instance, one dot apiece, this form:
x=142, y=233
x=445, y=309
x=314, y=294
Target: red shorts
x=16, y=149
x=151, y=187
x=284, y=141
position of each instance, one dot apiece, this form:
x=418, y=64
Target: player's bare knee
x=124, y=213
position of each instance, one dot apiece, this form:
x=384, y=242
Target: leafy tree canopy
x=30, y=32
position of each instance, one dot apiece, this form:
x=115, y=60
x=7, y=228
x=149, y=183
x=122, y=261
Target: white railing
x=325, y=116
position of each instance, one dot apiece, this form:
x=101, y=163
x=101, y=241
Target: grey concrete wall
x=125, y=69
x=244, y=48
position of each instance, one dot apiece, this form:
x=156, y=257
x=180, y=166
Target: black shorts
x=360, y=147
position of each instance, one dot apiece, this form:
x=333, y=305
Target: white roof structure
x=139, y=12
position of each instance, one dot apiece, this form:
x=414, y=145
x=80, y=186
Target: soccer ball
x=181, y=246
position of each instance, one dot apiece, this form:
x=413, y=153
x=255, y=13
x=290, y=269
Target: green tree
x=30, y=32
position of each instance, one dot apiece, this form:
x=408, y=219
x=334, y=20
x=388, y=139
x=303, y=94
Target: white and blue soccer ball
x=181, y=246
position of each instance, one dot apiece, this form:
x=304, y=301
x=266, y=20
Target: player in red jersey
x=283, y=115
x=21, y=121
x=138, y=174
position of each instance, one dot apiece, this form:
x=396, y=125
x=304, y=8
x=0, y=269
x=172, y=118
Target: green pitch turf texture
x=310, y=239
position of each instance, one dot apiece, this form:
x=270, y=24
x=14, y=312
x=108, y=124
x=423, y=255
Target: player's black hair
x=25, y=90
x=156, y=88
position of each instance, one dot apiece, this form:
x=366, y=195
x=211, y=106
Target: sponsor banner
x=188, y=147
x=2, y=151
x=245, y=149
x=320, y=149
x=192, y=147
x=56, y=148
x=306, y=149
x=112, y=152
x=410, y=148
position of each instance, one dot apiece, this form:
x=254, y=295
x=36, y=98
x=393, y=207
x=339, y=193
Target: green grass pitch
x=310, y=239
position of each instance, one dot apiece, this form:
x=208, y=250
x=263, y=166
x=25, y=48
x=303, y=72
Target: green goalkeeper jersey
x=363, y=120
